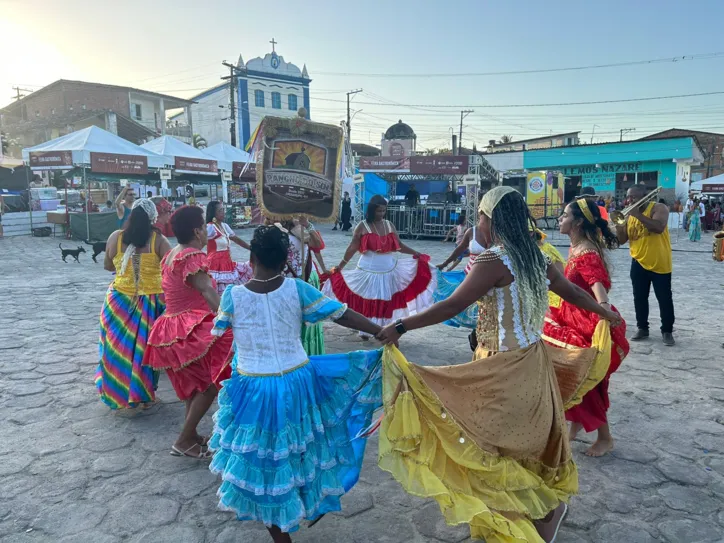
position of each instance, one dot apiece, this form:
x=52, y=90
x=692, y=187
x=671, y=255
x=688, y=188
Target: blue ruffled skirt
x=447, y=282
x=285, y=445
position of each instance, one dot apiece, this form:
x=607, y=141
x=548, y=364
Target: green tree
x=506, y=139
x=200, y=141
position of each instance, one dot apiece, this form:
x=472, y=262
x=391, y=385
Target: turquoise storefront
x=611, y=168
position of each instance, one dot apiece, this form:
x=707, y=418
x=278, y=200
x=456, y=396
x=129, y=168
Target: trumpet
x=619, y=217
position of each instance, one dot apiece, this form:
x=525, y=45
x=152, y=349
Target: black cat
x=75, y=253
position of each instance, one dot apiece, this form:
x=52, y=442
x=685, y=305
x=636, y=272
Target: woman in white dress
x=382, y=287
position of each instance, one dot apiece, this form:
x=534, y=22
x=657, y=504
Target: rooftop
x=170, y=102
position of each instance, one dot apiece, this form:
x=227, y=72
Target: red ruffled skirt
x=227, y=272
x=182, y=345
x=383, y=288
x=570, y=326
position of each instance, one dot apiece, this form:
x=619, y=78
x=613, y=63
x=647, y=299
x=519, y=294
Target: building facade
x=610, y=168
x=66, y=106
x=712, y=144
x=263, y=86
x=544, y=142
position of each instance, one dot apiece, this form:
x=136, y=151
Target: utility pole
x=349, y=120
x=464, y=113
x=626, y=131
x=232, y=102
x=18, y=90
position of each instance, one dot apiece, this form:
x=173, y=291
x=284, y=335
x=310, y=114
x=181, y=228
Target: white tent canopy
x=96, y=140
x=699, y=185
x=226, y=155
x=175, y=148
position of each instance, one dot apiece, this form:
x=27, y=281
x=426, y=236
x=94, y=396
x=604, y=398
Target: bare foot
x=600, y=448
x=573, y=430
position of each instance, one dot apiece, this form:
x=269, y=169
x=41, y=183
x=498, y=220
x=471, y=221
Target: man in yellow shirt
x=646, y=230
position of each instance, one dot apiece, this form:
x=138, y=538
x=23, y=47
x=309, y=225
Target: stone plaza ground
x=72, y=471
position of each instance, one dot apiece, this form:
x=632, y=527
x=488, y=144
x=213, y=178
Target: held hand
x=388, y=335
x=613, y=318
x=440, y=267
x=304, y=221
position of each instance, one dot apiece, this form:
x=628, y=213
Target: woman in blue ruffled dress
x=285, y=435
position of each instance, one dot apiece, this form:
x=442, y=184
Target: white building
x=264, y=86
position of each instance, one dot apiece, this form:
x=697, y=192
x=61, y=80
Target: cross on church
x=273, y=42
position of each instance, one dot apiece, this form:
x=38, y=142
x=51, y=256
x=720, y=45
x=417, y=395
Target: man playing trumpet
x=645, y=226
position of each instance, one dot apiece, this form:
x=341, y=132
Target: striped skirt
x=121, y=380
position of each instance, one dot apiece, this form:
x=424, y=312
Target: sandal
x=203, y=440
x=204, y=452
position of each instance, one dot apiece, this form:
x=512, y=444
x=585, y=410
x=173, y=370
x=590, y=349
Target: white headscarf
x=150, y=209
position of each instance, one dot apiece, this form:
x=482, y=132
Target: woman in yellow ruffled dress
x=488, y=439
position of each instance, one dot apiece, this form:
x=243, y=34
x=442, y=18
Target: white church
x=264, y=86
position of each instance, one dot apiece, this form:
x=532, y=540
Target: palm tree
x=200, y=141
x=506, y=139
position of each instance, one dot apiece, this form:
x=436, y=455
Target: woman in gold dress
x=488, y=439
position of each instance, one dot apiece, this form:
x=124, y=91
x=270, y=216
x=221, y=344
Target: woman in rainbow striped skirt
x=133, y=302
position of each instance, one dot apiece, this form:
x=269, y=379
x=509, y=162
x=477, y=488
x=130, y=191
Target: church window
x=276, y=100
x=293, y=102
x=259, y=98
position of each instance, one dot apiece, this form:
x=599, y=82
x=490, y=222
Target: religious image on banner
x=300, y=168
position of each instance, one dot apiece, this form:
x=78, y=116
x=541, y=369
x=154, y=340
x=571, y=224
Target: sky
x=176, y=47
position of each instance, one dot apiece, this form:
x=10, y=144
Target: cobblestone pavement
x=73, y=471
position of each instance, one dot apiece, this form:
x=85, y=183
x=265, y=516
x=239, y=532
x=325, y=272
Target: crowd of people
x=488, y=440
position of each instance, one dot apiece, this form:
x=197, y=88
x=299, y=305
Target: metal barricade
x=424, y=221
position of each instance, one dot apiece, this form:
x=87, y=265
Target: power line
x=683, y=58
x=552, y=104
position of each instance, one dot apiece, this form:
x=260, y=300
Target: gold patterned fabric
x=488, y=439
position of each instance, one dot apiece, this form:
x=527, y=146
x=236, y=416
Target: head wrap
x=164, y=206
x=583, y=206
x=150, y=209
x=492, y=198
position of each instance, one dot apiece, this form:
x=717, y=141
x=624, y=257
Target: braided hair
x=270, y=246
x=510, y=228
x=598, y=233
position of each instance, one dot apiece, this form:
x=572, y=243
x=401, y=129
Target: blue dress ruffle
x=447, y=282
x=285, y=446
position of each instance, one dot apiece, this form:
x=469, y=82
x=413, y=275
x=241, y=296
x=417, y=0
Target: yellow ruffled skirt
x=487, y=439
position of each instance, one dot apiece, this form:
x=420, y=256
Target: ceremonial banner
x=298, y=169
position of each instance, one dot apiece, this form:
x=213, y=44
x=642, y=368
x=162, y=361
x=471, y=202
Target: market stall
x=239, y=184
x=191, y=166
x=92, y=155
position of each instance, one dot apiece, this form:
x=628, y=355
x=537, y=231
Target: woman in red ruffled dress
x=382, y=288
x=568, y=325
x=180, y=341
x=221, y=266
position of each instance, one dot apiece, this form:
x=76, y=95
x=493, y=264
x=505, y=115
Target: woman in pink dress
x=180, y=341
x=220, y=235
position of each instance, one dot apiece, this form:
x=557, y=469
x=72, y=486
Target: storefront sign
x=51, y=160
x=444, y=165
x=196, y=165
x=238, y=167
x=602, y=178
x=165, y=175
x=384, y=164
x=707, y=188
x=113, y=163
x=300, y=168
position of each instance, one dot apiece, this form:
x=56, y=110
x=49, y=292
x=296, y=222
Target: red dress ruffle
x=180, y=341
x=383, y=309
x=573, y=326
x=220, y=261
x=379, y=244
